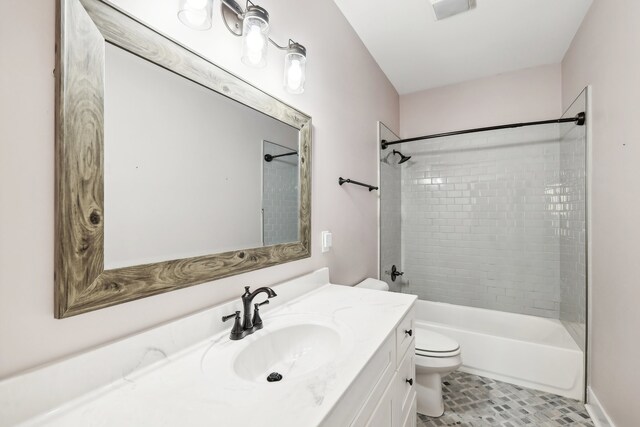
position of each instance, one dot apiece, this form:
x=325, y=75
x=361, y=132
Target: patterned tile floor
x=477, y=401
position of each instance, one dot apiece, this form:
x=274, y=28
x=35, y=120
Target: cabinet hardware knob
x=409, y=380
x=408, y=332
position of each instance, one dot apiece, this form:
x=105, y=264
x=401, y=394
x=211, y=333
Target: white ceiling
x=416, y=52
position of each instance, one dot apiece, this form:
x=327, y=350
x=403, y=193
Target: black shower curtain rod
x=270, y=157
x=578, y=119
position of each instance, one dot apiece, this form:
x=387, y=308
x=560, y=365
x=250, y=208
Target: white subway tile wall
x=481, y=220
x=280, y=205
x=573, y=289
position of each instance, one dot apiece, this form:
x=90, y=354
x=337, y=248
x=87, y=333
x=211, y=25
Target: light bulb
x=255, y=41
x=294, y=75
x=196, y=17
x=294, y=69
x=254, y=44
x=196, y=14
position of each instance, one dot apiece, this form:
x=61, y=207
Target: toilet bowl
x=436, y=355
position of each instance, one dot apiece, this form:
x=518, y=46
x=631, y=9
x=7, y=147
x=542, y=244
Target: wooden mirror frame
x=81, y=282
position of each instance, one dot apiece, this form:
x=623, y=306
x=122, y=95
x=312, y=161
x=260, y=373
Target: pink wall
x=346, y=94
x=605, y=55
x=525, y=95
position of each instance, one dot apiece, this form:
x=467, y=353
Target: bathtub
x=528, y=351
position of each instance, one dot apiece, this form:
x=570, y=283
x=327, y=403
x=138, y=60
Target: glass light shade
x=294, y=72
x=196, y=14
x=255, y=39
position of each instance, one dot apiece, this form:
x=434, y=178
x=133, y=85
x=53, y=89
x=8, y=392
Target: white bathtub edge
x=570, y=394
x=596, y=411
x=519, y=362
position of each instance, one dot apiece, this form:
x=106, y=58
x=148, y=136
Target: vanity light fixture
x=252, y=24
x=294, y=67
x=196, y=14
x=255, y=36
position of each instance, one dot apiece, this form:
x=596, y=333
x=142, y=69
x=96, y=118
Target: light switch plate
x=327, y=241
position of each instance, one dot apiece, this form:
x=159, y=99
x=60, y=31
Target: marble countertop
x=198, y=386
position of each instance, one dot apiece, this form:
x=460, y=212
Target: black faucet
x=248, y=326
x=247, y=299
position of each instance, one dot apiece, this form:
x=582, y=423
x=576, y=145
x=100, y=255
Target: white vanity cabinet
x=358, y=354
x=392, y=401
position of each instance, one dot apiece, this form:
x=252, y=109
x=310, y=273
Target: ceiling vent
x=447, y=8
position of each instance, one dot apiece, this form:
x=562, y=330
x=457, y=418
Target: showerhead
x=403, y=158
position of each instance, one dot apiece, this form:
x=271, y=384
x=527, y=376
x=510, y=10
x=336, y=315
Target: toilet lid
x=430, y=343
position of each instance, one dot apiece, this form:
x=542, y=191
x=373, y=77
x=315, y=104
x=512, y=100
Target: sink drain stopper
x=273, y=377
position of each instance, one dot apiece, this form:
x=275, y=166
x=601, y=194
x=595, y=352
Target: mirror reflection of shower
x=270, y=157
x=280, y=199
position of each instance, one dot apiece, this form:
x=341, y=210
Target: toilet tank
x=376, y=284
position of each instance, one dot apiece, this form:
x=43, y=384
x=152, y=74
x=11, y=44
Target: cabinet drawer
x=406, y=382
x=404, y=334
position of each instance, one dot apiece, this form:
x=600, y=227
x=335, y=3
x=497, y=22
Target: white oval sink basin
x=291, y=351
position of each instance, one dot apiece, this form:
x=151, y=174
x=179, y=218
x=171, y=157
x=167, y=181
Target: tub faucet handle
x=395, y=273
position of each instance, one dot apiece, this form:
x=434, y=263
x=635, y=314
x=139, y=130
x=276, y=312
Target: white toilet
x=436, y=355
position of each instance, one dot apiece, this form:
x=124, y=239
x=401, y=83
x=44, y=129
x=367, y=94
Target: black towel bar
x=341, y=181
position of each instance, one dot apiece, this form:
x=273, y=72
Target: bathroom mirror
x=170, y=171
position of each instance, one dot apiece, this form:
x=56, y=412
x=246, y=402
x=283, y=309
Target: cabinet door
x=411, y=417
x=384, y=413
x=381, y=366
x=406, y=383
